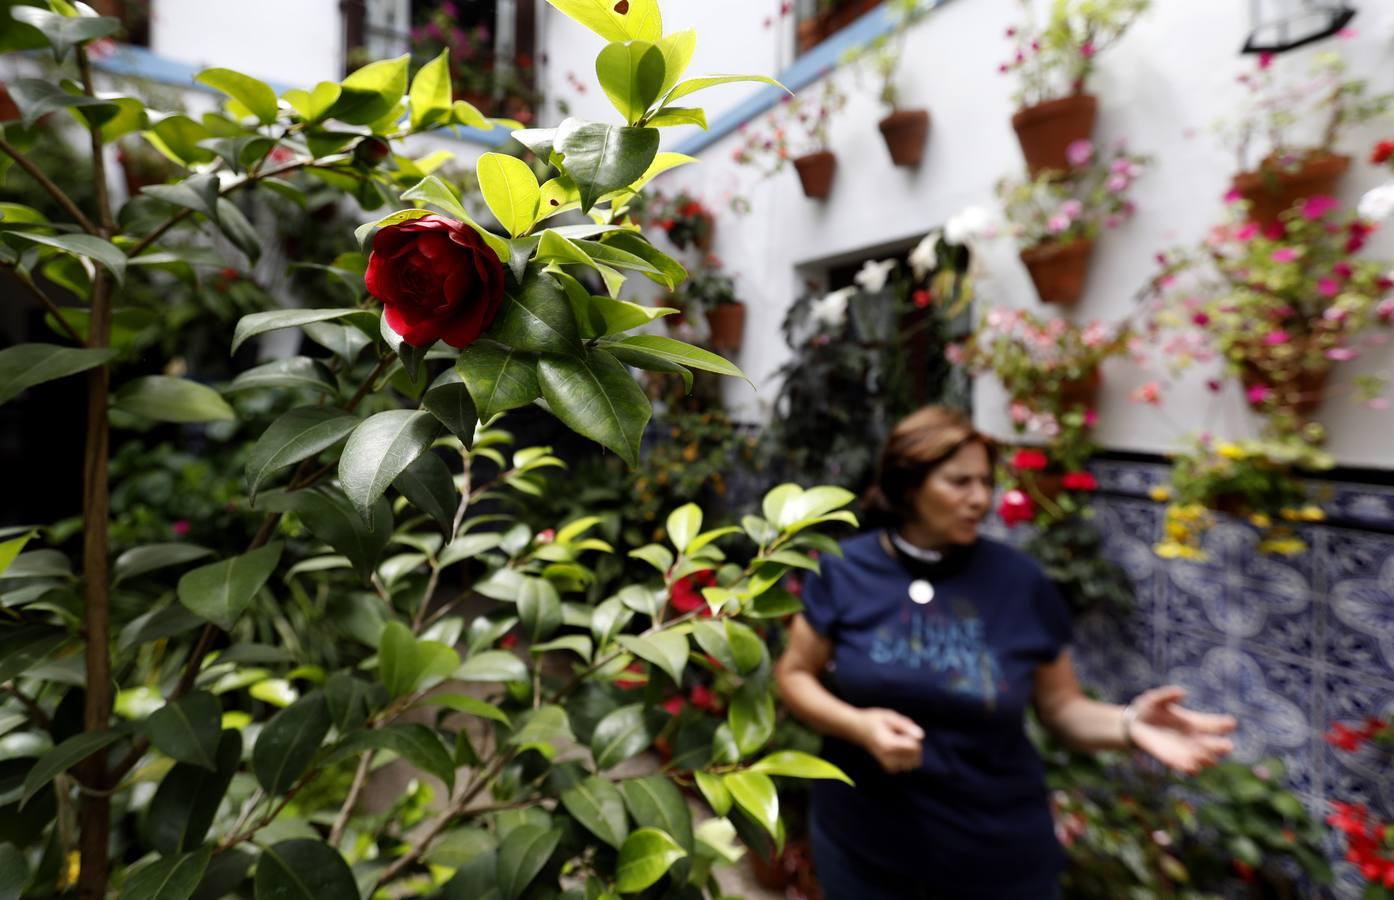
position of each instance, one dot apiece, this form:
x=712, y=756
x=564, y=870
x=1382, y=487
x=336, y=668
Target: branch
x=336, y=833
x=50, y=306
x=35, y=711
x=47, y=184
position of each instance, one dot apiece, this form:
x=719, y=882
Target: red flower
x=437, y=279
x=1016, y=508
x=1383, y=151
x=674, y=705
x=632, y=677
x=1243, y=870
x=1030, y=460
x=509, y=641
x=702, y=698
x=1359, y=231
x=1080, y=481
x=1345, y=738
x=687, y=592
x=922, y=298
x=546, y=536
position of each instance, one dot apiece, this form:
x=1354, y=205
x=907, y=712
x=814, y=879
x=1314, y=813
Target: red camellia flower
x=1030, y=460
x=1080, y=481
x=1016, y=508
x=687, y=592
x=437, y=279
x=702, y=698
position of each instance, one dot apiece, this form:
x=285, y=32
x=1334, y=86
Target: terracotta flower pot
x=1058, y=270
x=1046, y=130
x=9, y=111
x=1083, y=391
x=1271, y=189
x=727, y=324
x=905, y=132
x=1302, y=395
x=816, y=171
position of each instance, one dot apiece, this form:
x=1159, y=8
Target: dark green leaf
x=188, y=729
x=304, y=869
x=672, y=271
x=545, y=725
x=620, y=735
x=299, y=434
x=521, y=857
x=14, y=872
x=405, y=663
x=448, y=399
x=220, y=591
x=164, y=399
x=157, y=624
x=291, y=372
x=536, y=317
x=492, y=665
x=25, y=365
x=84, y=245
x=149, y=557
x=598, y=805
x=655, y=802
x=331, y=518
x=288, y=744
x=665, y=649
x=350, y=700
x=417, y=744
x=682, y=354
x=187, y=800
x=171, y=878
x=379, y=450
x=539, y=607
x=596, y=397
x=254, y=324
x=427, y=483
x=499, y=378
x=37, y=98
x=470, y=705
x=411, y=356
x=66, y=755
x=225, y=874
x=604, y=158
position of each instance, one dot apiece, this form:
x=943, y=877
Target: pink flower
x=1314, y=208
x=1079, y=153
x=1385, y=310
x=954, y=354
x=1213, y=386
x=1327, y=287
x=1258, y=393
x=1058, y=223
x=1276, y=337
x=1086, y=49
x=1233, y=196
x=1150, y=392
x=180, y=527
x=1284, y=254
x=1378, y=403
x=1200, y=319
x=1117, y=183
x=1091, y=417
x=1265, y=59
x=1247, y=232
x=1342, y=354
x=1072, y=208
x=1019, y=413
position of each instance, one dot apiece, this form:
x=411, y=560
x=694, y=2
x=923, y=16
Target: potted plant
x=1295, y=164
x=830, y=17
x=1053, y=62
x=904, y=130
x=477, y=74
x=1055, y=219
x=1364, y=835
x=798, y=131
x=683, y=217
x=711, y=290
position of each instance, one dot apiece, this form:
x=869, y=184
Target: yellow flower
x=1194, y=553
x=1283, y=547
x=1168, y=549
x=1261, y=520
x=1230, y=451
x=1160, y=494
x=1289, y=514
x=1312, y=513
x=1177, y=531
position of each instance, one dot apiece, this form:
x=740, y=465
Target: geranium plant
x=683, y=217
x=797, y=131
x=1055, y=58
x=1061, y=208
x=475, y=72
x=1369, y=841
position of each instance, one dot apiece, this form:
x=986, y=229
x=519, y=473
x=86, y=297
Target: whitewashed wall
x=1162, y=89
x=291, y=42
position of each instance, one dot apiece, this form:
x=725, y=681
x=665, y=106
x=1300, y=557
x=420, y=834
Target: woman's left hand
x=1178, y=737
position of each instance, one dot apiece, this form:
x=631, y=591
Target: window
x=820, y=19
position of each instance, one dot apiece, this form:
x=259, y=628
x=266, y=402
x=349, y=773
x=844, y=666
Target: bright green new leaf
x=221, y=591
x=751, y=717
x=712, y=788
x=431, y=94
x=510, y=189
x=631, y=74
x=598, y=805
x=379, y=450
x=754, y=792
x=256, y=95
x=437, y=193
x=371, y=92
x=628, y=21
x=595, y=396
x=161, y=398
x=693, y=85
x=406, y=664
x=313, y=105
x=677, y=49
x=298, y=434
x=11, y=548
x=794, y=764
x=646, y=856
x=662, y=162
x=665, y=649
x=684, y=524
x=25, y=365
x=679, y=115
x=683, y=354
x=470, y=705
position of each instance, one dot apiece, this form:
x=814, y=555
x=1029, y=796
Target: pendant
x=921, y=591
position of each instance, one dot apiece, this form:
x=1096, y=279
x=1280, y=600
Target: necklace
x=920, y=591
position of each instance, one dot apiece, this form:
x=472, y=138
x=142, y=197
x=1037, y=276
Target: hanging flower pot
x=1081, y=392
x=1058, y=270
x=816, y=171
x=1300, y=395
x=905, y=132
x=1046, y=130
x=1271, y=188
x=727, y=324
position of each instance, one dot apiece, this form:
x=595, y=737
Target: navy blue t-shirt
x=973, y=821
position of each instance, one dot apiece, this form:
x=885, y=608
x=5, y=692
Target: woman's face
x=955, y=498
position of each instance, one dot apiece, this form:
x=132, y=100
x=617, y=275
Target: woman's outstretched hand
x=893, y=739
x=1178, y=737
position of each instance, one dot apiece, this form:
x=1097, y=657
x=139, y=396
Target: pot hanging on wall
x=1046, y=130
x=1082, y=391
x=1301, y=395
x=1059, y=270
x=727, y=324
x=1272, y=189
x=816, y=171
x=905, y=132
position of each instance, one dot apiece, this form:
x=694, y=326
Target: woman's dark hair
x=917, y=445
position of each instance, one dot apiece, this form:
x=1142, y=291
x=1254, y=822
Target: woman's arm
x=1153, y=722
x=893, y=739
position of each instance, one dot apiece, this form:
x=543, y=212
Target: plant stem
x=50, y=306
x=336, y=833
x=47, y=184
x=35, y=711
x=95, y=816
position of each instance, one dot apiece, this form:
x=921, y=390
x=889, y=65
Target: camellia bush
x=395, y=690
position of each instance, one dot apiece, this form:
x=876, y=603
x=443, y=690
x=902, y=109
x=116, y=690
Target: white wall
x=1162, y=88
x=296, y=43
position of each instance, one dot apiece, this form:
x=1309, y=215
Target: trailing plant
x=1055, y=58
x=1058, y=207
x=800, y=125
x=881, y=56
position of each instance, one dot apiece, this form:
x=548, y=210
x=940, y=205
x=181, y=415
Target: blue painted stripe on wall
x=140, y=62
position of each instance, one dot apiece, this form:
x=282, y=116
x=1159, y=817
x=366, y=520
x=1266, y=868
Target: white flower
x=831, y=311
x=968, y=224
x=1378, y=203
x=873, y=275
x=924, y=257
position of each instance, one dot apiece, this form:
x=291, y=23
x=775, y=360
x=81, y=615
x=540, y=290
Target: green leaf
x=291, y=372
x=655, y=802
x=11, y=548
x=188, y=729
x=66, y=755
x=679, y=115
x=535, y=317
x=712, y=788
x=620, y=735
x=545, y=725
x=331, y=517
x=661, y=163
x=677, y=49
x=415, y=743
x=256, y=95
x=670, y=272
x=313, y=105
x=187, y=800
x=812, y=503
x=598, y=805
x=254, y=324
x=633, y=20
x=621, y=315
x=289, y=743
x=351, y=700
x=632, y=75
x=25, y=365
x=140, y=560
x=164, y=399
x=427, y=483
x=179, y=138
x=37, y=98
x=510, y=189
x=683, y=354
x=171, y=878
x=595, y=396
x=576, y=643
x=521, y=857
x=85, y=246
x=492, y=665
x=539, y=607
x=470, y=705
x=794, y=764
x=14, y=872
x=379, y=450
x=656, y=555
x=646, y=856
x=371, y=92
x=431, y=94
x=684, y=524
x=301, y=433
x=499, y=378
x=457, y=847
x=693, y=85
x=437, y=193
x=664, y=649
x=411, y=355
x=65, y=32
x=303, y=869
x=603, y=158
x=751, y=716
x=608, y=618
x=754, y=792
x=405, y=663
x=448, y=399
x=221, y=591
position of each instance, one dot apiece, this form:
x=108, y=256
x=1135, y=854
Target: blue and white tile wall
x=1287, y=645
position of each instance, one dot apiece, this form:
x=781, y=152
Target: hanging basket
x=727, y=324
x=1271, y=189
x=1301, y=395
x=816, y=171
x=905, y=132
x=1046, y=130
x=1059, y=270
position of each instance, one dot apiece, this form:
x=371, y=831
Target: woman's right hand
x=893, y=739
